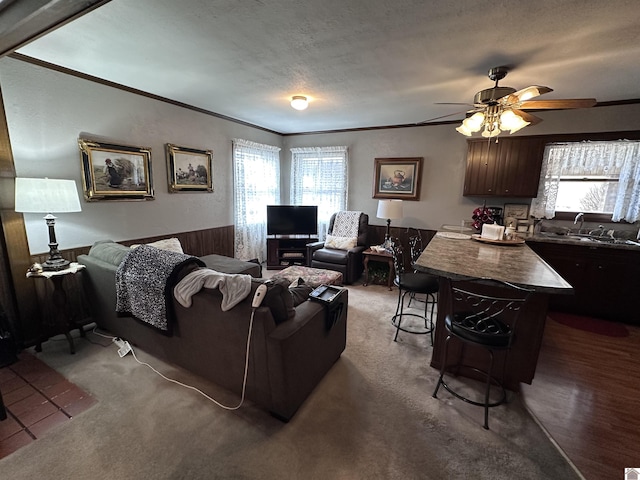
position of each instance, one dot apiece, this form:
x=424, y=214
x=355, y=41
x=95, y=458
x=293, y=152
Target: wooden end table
x=384, y=257
x=61, y=320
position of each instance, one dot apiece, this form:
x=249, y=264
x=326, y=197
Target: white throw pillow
x=172, y=244
x=340, y=243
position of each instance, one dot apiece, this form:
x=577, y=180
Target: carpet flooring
x=371, y=417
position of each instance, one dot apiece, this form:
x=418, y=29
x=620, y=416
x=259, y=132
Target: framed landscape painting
x=397, y=178
x=190, y=170
x=115, y=172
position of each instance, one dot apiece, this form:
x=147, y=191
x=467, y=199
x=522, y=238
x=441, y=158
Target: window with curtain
x=590, y=177
x=256, y=169
x=319, y=177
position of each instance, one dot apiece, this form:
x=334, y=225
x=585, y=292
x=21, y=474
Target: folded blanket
x=346, y=224
x=144, y=282
x=234, y=287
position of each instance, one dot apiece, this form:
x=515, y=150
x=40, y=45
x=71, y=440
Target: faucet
x=580, y=217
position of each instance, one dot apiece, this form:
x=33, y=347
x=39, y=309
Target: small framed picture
x=190, y=170
x=115, y=172
x=397, y=178
x=519, y=211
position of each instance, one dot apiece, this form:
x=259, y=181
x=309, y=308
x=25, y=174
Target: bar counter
x=460, y=259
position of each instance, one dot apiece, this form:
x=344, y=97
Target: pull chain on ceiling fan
x=499, y=108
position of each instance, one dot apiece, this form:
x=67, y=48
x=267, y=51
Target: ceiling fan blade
x=452, y=103
x=527, y=117
x=445, y=116
x=527, y=93
x=558, y=104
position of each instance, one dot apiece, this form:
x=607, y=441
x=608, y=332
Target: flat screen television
x=292, y=219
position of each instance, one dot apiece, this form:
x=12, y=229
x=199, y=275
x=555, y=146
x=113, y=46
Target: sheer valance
x=618, y=158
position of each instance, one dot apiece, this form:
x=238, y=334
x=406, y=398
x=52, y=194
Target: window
x=593, y=177
x=319, y=177
x=256, y=169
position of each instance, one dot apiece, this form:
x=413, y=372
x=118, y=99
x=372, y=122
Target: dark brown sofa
x=292, y=347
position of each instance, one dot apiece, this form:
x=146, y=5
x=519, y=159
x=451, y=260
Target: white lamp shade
x=46, y=195
x=390, y=209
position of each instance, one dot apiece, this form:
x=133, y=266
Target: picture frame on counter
x=115, y=172
x=518, y=211
x=189, y=169
x=397, y=178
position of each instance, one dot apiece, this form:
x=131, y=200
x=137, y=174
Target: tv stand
x=285, y=251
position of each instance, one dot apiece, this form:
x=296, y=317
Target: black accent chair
x=484, y=320
x=348, y=262
x=413, y=283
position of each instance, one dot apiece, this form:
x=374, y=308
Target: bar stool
x=485, y=321
x=412, y=283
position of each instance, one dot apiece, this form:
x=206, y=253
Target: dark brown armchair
x=348, y=262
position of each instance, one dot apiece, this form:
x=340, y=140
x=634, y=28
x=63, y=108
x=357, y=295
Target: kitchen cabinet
x=606, y=280
x=509, y=168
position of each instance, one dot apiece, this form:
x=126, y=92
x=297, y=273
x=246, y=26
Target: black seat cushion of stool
x=490, y=332
x=417, y=282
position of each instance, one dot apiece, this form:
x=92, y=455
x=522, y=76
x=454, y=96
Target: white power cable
x=190, y=387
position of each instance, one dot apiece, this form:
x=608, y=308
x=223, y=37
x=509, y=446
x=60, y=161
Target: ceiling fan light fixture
x=299, y=102
x=511, y=121
x=464, y=130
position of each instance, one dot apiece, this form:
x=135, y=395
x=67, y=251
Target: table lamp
x=46, y=195
x=391, y=210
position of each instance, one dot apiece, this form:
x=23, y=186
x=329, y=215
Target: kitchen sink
x=586, y=237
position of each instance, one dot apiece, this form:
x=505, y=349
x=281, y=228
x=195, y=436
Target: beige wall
x=444, y=151
x=47, y=111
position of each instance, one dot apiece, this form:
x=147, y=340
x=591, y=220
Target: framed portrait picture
x=397, y=178
x=519, y=211
x=190, y=170
x=115, y=172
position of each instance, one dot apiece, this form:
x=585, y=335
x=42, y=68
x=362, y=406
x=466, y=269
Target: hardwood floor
x=586, y=394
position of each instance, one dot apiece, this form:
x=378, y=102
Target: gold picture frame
x=189, y=169
x=115, y=172
x=397, y=178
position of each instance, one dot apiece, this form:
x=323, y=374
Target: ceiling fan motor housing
x=490, y=96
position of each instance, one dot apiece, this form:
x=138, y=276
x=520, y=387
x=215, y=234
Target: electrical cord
x=190, y=387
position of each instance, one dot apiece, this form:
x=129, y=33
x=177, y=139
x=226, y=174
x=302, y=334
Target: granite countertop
x=460, y=259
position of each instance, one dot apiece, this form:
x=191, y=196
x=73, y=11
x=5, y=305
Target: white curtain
x=620, y=157
x=319, y=176
x=256, y=170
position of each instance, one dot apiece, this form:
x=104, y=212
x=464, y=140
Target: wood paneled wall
x=217, y=240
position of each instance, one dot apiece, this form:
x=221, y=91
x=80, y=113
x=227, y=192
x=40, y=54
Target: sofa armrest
x=300, y=352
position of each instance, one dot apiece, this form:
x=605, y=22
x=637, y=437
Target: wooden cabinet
x=283, y=252
x=509, y=168
x=606, y=281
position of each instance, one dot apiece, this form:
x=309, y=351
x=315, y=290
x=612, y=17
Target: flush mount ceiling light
x=299, y=102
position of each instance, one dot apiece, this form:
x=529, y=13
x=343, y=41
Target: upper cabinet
x=509, y=168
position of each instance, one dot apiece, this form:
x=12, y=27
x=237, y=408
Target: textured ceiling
x=363, y=63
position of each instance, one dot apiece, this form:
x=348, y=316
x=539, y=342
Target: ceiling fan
x=502, y=108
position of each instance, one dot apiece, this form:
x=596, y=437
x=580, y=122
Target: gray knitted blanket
x=144, y=285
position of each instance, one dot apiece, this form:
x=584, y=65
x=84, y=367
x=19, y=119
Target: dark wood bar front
x=461, y=259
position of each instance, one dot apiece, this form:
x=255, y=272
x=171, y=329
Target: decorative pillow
x=278, y=299
x=299, y=292
x=340, y=243
x=172, y=244
x=109, y=251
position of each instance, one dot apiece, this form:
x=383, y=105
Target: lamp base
x=55, y=264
